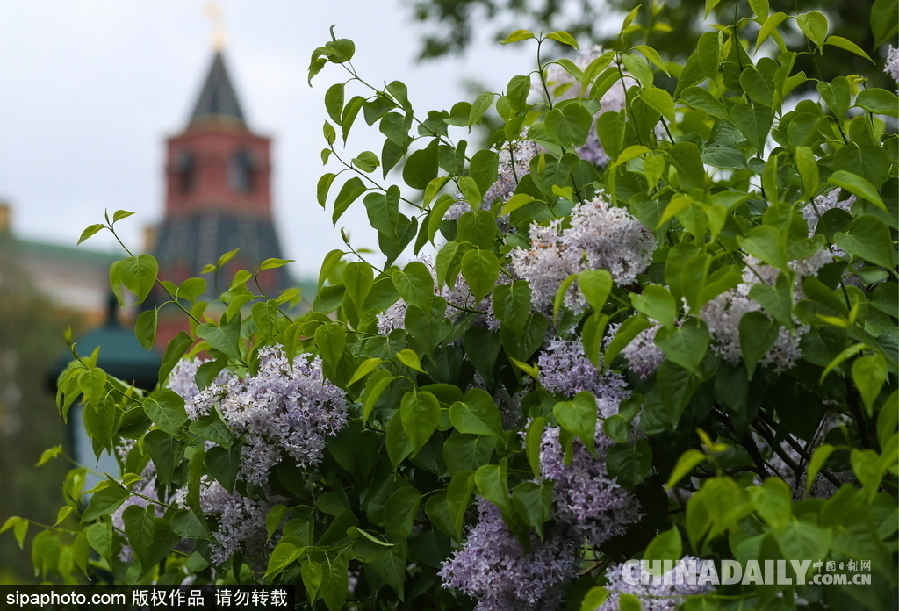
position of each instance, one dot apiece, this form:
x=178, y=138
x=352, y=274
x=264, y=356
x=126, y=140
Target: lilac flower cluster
x=566, y=370
x=493, y=568
x=642, y=354
x=723, y=313
x=241, y=522
x=460, y=300
x=662, y=592
x=600, y=236
x=585, y=497
x=286, y=407
x=892, y=64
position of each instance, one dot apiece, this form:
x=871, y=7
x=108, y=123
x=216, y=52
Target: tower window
x=242, y=171
x=186, y=169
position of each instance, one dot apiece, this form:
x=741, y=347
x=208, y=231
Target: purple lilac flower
x=600, y=236
x=663, y=592
x=642, y=354
x=566, y=370
x=241, y=522
x=493, y=568
x=286, y=406
x=584, y=496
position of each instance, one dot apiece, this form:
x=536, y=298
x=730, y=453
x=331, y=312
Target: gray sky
x=90, y=88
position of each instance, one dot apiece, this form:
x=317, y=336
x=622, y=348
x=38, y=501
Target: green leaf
x=477, y=414
x=814, y=25
x=138, y=274
x=819, y=458
x=653, y=56
x=516, y=36
x=420, y=413
x=629, y=463
x=366, y=161
x=467, y=452
x=799, y=539
x=166, y=409
x=884, y=20
x=656, y=302
x=48, y=455
x=754, y=122
x=808, y=170
x=534, y=442
x=685, y=345
x=869, y=374
x=480, y=268
x=358, y=278
x=710, y=6
x=570, y=126
x=685, y=464
x=563, y=37
x=837, y=94
x=224, y=338
x=848, y=45
x=685, y=157
x=578, y=417
x=597, y=595
x=349, y=192
x=757, y=334
x=768, y=27
x=760, y=8
x=758, y=86
x=105, y=501
x=857, y=186
x=768, y=244
x=408, y=358
x=511, y=304
x=629, y=329
x=492, y=484
x=478, y=228
x=660, y=100
x=595, y=284
x=145, y=328
x=533, y=502
x=415, y=284
x=665, y=546
x=90, y=231
x=330, y=339
x=869, y=238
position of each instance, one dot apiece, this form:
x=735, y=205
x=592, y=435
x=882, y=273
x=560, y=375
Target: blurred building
x=218, y=198
x=74, y=278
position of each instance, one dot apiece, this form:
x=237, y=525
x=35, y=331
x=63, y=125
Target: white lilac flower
x=286, y=407
x=459, y=298
x=514, y=162
x=600, y=236
x=182, y=380
x=892, y=65
x=642, y=355
x=661, y=592
x=723, y=313
x=494, y=569
x=813, y=212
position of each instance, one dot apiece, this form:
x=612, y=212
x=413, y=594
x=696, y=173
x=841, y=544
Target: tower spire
x=214, y=11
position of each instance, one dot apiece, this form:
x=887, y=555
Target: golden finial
x=213, y=10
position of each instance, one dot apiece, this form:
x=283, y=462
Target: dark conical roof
x=218, y=99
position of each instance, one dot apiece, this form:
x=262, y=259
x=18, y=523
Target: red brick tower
x=218, y=198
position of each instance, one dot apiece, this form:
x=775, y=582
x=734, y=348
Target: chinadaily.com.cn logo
x=696, y=572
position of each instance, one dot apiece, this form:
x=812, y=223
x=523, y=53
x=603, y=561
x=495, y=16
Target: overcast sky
x=89, y=89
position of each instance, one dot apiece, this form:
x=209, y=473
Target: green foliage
x=757, y=342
